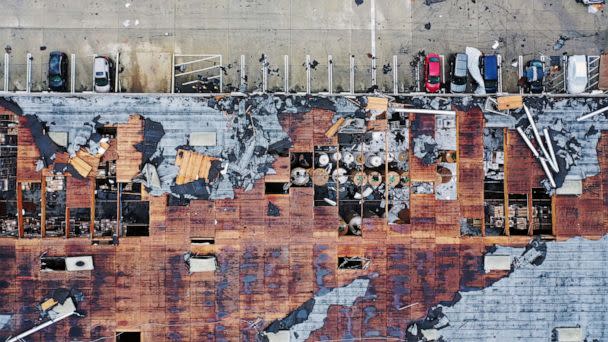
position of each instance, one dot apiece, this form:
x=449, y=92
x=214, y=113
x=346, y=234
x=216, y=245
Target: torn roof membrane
x=311, y=315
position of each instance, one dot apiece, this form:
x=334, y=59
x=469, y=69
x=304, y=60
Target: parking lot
x=261, y=33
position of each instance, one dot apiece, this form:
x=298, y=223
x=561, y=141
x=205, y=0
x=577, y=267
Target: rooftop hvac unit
x=82, y=263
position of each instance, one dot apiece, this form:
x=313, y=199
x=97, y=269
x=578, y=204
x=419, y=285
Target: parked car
x=432, y=73
x=102, y=70
x=489, y=71
x=576, y=79
x=534, y=74
x=58, y=71
x=459, y=74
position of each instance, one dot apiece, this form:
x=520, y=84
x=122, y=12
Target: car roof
x=579, y=63
x=101, y=62
x=434, y=69
x=490, y=67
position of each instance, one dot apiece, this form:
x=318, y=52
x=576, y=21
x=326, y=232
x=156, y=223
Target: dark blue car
x=58, y=71
x=489, y=70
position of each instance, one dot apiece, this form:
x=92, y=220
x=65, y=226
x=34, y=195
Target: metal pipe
x=352, y=74
x=424, y=111
x=221, y=75
x=592, y=114
x=547, y=172
x=7, y=59
x=307, y=74
x=197, y=70
x=373, y=39
x=499, y=62
x=173, y=74
x=395, y=76
x=528, y=142
x=94, y=56
x=28, y=73
x=116, y=70
x=554, y=165
x=286, y=77
x=196, y=60
x=330, y=76
x=243, y=76
x=520, y=71
x=40, y=327
x=73, y=73
x=536, y=134
x=264, y=74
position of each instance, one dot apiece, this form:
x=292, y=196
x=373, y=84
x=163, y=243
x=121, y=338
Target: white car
x=576, y=82
x=101, y=70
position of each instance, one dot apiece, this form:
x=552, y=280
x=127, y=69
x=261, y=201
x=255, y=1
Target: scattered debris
x=427, y=26
x=273, y=210
x=387, y=68
x=559, y=43
x=430, y=2
x=425, y=148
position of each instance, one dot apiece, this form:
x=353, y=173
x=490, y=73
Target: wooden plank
x=335, y=127
x=129, y=159
x=81, y=166
x=377, y=103
x=509, y=102
x=603, y=80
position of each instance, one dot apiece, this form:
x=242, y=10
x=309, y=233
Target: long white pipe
x=424, y=111
x=547, y=172
x=536, y=134
x=592, y=114
x=528, y=142
x=40, y=327
x=553, y=163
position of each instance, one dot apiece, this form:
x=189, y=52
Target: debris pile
x=425, y=148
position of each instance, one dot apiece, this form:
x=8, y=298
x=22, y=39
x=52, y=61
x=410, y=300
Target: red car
x=432, y=73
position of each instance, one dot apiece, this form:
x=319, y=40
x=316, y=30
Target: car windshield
x=434, y=59
x=434, y=79
x=101, y=82
x=54, y=65
x=460, y=80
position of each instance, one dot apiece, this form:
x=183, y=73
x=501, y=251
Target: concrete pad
x=326, y=15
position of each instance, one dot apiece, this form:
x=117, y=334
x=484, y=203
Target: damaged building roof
x=329, y=218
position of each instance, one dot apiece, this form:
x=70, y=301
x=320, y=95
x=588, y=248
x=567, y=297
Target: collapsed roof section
x=237, y=139
x=574, y=142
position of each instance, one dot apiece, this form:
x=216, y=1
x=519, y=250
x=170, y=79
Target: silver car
x=459, y=74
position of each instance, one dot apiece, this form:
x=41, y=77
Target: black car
x=58, y=71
